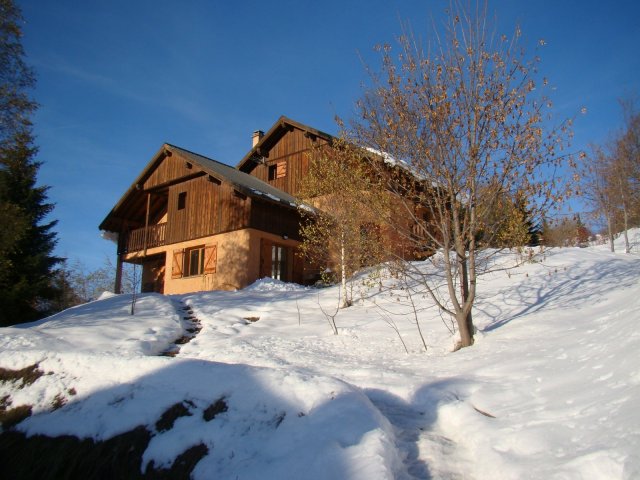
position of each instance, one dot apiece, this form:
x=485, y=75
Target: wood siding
x=170, y=169
x=271, y=218
x=293, y=148
x=210, y=208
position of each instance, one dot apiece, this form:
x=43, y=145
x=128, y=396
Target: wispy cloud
x=178, y=103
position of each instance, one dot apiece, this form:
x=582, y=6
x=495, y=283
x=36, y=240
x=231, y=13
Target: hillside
x=265, y=390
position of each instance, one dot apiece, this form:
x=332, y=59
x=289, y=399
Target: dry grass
x=27, y=375
x=169, y=417
x=12, y=416
x=219, y=406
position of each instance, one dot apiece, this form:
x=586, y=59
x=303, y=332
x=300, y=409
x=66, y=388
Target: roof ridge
x=239, y=178
x=198, y=154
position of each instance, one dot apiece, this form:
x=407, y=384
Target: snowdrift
x=265, y=390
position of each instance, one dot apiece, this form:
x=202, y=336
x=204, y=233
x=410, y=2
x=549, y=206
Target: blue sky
x=116, y=79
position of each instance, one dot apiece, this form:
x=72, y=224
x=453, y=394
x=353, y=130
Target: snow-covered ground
x=551, y=388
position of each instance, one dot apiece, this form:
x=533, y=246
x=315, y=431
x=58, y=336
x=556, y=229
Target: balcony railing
x=153, y=236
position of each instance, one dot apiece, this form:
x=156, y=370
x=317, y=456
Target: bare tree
x=88, y=284
x=462, y=124
x=625, y=166
x=596, y=189
x=612, y=177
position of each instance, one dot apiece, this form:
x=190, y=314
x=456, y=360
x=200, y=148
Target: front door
x=274, y=260
x=279, y=262
x=153, y=275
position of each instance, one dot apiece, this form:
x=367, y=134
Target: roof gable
x=172, y=164
x=169, y=169
x=248, y=184
x=273, y=135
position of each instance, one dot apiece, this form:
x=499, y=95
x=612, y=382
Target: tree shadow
x=561, y=288
x=415, y=420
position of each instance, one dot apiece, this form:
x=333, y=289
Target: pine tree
x=16, y=78
x=506, y=221
x=582, y=232
x=27, y=263
x=534, y=227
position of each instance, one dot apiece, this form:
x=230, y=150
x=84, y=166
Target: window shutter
x=281, y=170
x=210, y=258
x=177, y=264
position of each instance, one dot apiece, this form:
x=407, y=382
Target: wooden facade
x=281, y=158
x=183, y=207
x=196, y=224
x=204, y=206
x=289, y=155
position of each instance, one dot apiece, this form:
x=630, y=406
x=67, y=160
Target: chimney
x=255, y=138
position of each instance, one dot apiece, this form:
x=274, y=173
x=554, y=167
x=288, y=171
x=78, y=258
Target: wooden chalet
x=196, y=224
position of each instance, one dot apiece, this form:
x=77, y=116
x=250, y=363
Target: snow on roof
x=403, y=164
x=244, y=180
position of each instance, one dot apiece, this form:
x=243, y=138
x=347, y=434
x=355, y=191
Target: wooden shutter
x=281, y=169
x=210, y=258
x=177, y=264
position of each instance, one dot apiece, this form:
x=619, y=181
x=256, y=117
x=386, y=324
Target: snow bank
x=272, y=285
x=549, y=390
x=104, y=325
x=276, y=423
x=633, y=234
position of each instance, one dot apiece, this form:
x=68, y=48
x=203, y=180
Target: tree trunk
x=627, y=248
x=625, y=216
x=610, y=231
x=464, y=317
x=466, y=337
x=343, y=273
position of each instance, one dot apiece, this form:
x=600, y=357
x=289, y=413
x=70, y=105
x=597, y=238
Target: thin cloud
x=183, y=106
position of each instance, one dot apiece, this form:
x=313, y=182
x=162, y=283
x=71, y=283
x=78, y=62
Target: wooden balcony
x=141, y=238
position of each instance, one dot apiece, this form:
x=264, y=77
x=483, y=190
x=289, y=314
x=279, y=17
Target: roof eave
x=160, y=154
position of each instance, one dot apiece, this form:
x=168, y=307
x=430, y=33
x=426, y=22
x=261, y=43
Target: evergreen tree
x=582, y=232
x=534, y=228
x=16, y=78
x=27, y=263
x=506, y=221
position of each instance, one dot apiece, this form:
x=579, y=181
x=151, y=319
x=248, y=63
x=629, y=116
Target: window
x=279, y=262
x=277, y=170
x=182, y=200
x=194, y=261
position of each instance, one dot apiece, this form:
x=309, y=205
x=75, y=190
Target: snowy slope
x=101, y=326
x=550, y=389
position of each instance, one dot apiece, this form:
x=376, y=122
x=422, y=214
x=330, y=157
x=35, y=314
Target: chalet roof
x=275, y=133
x=243, y=182
x=248, y=184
